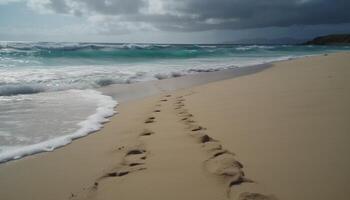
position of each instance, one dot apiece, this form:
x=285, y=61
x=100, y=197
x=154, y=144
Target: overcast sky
x=170, y=21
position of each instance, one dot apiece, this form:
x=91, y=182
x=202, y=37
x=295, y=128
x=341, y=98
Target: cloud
x=107, y=7
x=114, y=25
x=121, y=16
x=3, y=2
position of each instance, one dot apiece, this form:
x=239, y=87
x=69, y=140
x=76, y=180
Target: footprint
x=179, y=106
x=205, y=138
x=120, y=173
x=135, y=151
x=164, y=100
x=255, y=196
x=227, y=166
x=195, y=128
x=183, y=111
x=169, y=95
x=218, y=152
x=149, y=120
x=237, y=179
x=179, y=103
x=147, y=132
x=212, y=146
x=135, y=164
x=134, y=160
x=124, y=170
x=156, y=111
x=185, y=114
x=189, y=121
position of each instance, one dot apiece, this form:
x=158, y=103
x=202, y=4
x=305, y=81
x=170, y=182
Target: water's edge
x=127, y=92
x=135, y=91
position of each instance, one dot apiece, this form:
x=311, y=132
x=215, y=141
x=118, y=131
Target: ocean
x=49, y=92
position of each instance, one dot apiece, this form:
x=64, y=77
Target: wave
x=105, y=82
x=106, y=50
x=174, y=74
x=207, y=70
x=24, y=88
x=33, y=80
x=79, y=46
x=8, y=90
x=28, y=68
x=115, y=54
x=105, y=109
x=256, y=47
x=161, y=76
x=132, y=51
x=29, y=82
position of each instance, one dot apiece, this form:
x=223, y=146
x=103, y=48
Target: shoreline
x=130, y=92
x=121, y=92
x=76, y=168
x=126, y=92
x=139, y=90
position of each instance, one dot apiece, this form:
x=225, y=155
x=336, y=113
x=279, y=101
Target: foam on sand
x=105, y=109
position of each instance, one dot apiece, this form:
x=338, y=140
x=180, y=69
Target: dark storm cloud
x=239, y=14
x=197, y=15
x=58, y=6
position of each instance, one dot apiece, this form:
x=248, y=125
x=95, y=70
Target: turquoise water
x=38, y=67
x=47, y=90
x=57, y=54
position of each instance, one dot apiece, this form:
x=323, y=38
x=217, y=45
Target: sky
x=170, y=21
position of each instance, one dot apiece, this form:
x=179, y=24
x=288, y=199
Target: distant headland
x=339, y=39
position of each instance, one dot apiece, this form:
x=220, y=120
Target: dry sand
x=282, y=133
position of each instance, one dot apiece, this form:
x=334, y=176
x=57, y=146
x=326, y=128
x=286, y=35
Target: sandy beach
x=279, y=133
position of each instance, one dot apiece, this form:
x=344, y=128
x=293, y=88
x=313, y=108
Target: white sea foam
x=250, y=47
x=105, y=109
x=33, y=79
